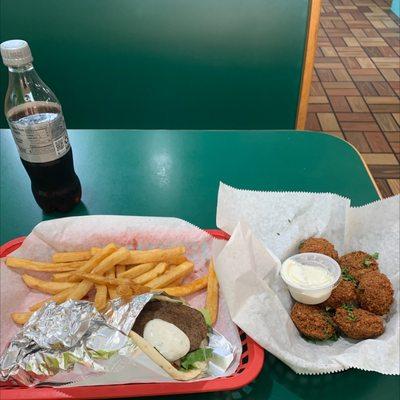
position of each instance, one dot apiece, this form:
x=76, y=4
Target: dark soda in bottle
x=36, y=120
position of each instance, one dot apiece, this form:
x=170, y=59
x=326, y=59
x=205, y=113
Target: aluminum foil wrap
x=56, y=338
x=73, y=336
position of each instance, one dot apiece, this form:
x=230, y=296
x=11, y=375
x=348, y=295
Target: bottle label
x=41, y=137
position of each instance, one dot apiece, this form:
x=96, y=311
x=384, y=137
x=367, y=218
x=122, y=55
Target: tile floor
x=356, y=85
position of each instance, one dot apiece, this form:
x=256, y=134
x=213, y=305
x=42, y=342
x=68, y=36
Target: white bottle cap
x=15, y=53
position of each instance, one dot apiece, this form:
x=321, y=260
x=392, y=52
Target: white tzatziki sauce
x=306, y=276
x=167, y=338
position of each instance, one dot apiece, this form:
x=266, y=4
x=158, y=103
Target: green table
x=176, y=173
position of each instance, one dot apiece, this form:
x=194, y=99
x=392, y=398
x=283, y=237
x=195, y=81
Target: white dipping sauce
x=306, y=276
x=308, y=284
x=167, y=338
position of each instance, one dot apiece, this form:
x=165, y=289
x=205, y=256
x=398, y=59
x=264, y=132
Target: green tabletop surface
x=176, y=173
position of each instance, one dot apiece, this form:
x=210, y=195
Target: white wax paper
x=266, y=223
x=81, y=233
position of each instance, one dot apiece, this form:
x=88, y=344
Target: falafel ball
x=344, y=293
x=319, y=245
x=357, y=323
x=312, y=321
x=375, y=293
x=358, y=263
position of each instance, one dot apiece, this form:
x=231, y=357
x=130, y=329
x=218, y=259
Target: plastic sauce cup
x=314, y=294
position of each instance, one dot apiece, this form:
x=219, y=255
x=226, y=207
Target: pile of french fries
x=115, y=272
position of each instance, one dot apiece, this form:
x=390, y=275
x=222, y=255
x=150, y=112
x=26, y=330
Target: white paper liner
x=283, y=219
x=259, y=301
x=79, y=233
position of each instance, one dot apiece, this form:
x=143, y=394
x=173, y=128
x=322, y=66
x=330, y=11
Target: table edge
x=362, y=160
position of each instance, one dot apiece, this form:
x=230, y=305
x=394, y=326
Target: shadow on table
x=78, y=210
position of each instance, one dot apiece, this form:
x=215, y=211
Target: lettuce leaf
x=206, y=315
x=190, y=359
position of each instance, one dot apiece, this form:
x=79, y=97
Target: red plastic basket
x=251, y=363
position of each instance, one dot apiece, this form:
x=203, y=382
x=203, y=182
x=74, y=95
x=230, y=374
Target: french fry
x=72, y=256
x=95, y=260
x=178, y=282
x=119, y=269
x=139, y=289
x=114, y=271
x=189, y=288
x=212, y=293
x=177, y=260
x=100, y=298
x=58, y=298
x=125, y=291
x=61, y=276
x=179, y=271
x=111, y=261
x=104, y=266
x=92, y=262
x=138, y=270
x=152, y=274
x=22, y=263
x=80, y=290
x=153, y=256
x=105, y=280
x=45, y=286
x=21, y=318
x=112, y=290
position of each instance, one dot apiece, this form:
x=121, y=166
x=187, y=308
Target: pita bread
x=155, y=356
